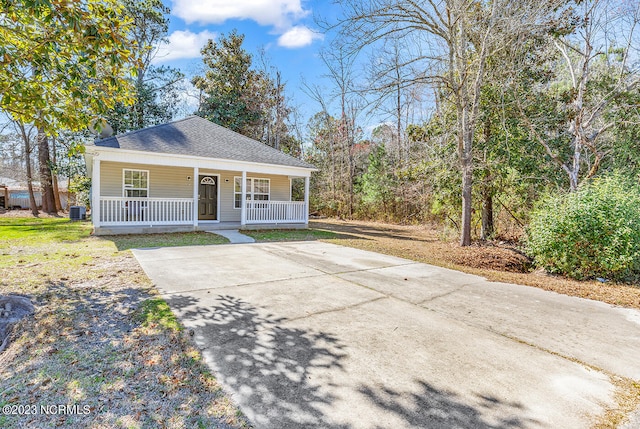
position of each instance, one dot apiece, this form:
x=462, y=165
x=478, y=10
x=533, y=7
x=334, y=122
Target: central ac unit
x=77, y=213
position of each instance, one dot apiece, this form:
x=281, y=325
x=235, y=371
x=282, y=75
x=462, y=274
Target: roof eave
x=94, y=150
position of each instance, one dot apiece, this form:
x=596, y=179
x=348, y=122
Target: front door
x=208, y=198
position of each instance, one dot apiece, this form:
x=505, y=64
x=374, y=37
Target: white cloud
x=298, y=37
x=278, y=13
x=183, y=45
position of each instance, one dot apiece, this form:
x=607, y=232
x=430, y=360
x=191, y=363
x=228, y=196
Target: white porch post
x=243, y=200
x=95, y=192
x=306, y=199
x=196, y=182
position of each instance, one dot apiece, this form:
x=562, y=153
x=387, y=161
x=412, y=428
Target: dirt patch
x=490, y=256
x=423, y=240
x=86, y=344
x=12, y=309
x=27, y=214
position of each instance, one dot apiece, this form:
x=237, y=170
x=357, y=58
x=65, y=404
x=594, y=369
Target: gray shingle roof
x=197, y=136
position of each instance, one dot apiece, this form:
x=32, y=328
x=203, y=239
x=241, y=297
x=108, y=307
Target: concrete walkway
x=234, y=236
x=314, y=335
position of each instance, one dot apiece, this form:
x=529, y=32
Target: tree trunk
x=486, y=231
x=459, y=79
x=27, y=155
x=465, y=153
x=138, y=108
x=487, y=215
x=467, y=180
x=399, y=118
x=46, y=182
x=56, y=192
x=32, y=198
x=278, y=110
x=574, y=171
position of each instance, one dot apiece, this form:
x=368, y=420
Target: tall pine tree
x=230, y=89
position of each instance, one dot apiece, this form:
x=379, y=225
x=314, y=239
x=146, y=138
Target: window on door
x=135, y=183
x=257, y=190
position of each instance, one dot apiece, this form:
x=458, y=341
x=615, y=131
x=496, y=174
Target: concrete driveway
x=315, y=335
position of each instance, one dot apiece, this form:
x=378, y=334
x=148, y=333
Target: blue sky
x=285, y=29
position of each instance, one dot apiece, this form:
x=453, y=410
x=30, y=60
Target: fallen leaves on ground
x=497, y=261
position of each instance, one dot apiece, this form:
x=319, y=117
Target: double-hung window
x=135, y=183
x=257, y=190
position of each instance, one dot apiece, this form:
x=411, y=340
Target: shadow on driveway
x=273, y=372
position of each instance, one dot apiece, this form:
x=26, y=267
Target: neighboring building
x=192, y=174
x=4, y=197
x=17, y=194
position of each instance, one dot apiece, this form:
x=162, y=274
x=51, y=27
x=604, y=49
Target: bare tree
x=317, y=125
x=54, y=177
x=394, y=87
x=341, y=130
x=598, y=63
x=340, y=66
x=11, y=153
x=453, y=39
x=275, y=104
x=28, y=148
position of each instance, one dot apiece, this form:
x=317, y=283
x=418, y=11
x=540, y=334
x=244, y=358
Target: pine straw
x=90, y=343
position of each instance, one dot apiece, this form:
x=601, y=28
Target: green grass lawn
x=101, y=335
x=38, y=231
x=268, y=235
x=39, y=250
x=124, y=242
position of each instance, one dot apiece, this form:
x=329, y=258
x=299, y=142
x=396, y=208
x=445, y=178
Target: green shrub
x=593, y=232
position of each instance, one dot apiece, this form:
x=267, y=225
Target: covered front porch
x=141, y=198
x=212, y=227
x=139, y=211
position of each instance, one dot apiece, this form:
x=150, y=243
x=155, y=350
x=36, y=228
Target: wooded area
x=462, y=112
x=530, y=97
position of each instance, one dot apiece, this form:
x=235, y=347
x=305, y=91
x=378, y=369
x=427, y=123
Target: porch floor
x=142, y=229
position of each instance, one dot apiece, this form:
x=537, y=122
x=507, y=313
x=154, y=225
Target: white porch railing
x=119, y=211
x=276, y=212
x=145, y=211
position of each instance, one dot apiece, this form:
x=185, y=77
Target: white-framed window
x=257, y=190
x=135, y=183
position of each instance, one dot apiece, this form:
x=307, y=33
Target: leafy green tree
x=511, y=169
x=230, y=87
x=625, y=155
x=156, y=88
x=61, y=65
x=375, y=187
x=438, y=164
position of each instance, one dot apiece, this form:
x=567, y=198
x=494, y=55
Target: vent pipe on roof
x=100, y=128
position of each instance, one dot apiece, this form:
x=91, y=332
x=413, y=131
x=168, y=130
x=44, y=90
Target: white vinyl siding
x=173, y=182
x=164, y=182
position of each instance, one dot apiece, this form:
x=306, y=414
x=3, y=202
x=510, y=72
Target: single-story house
x=192, y=174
